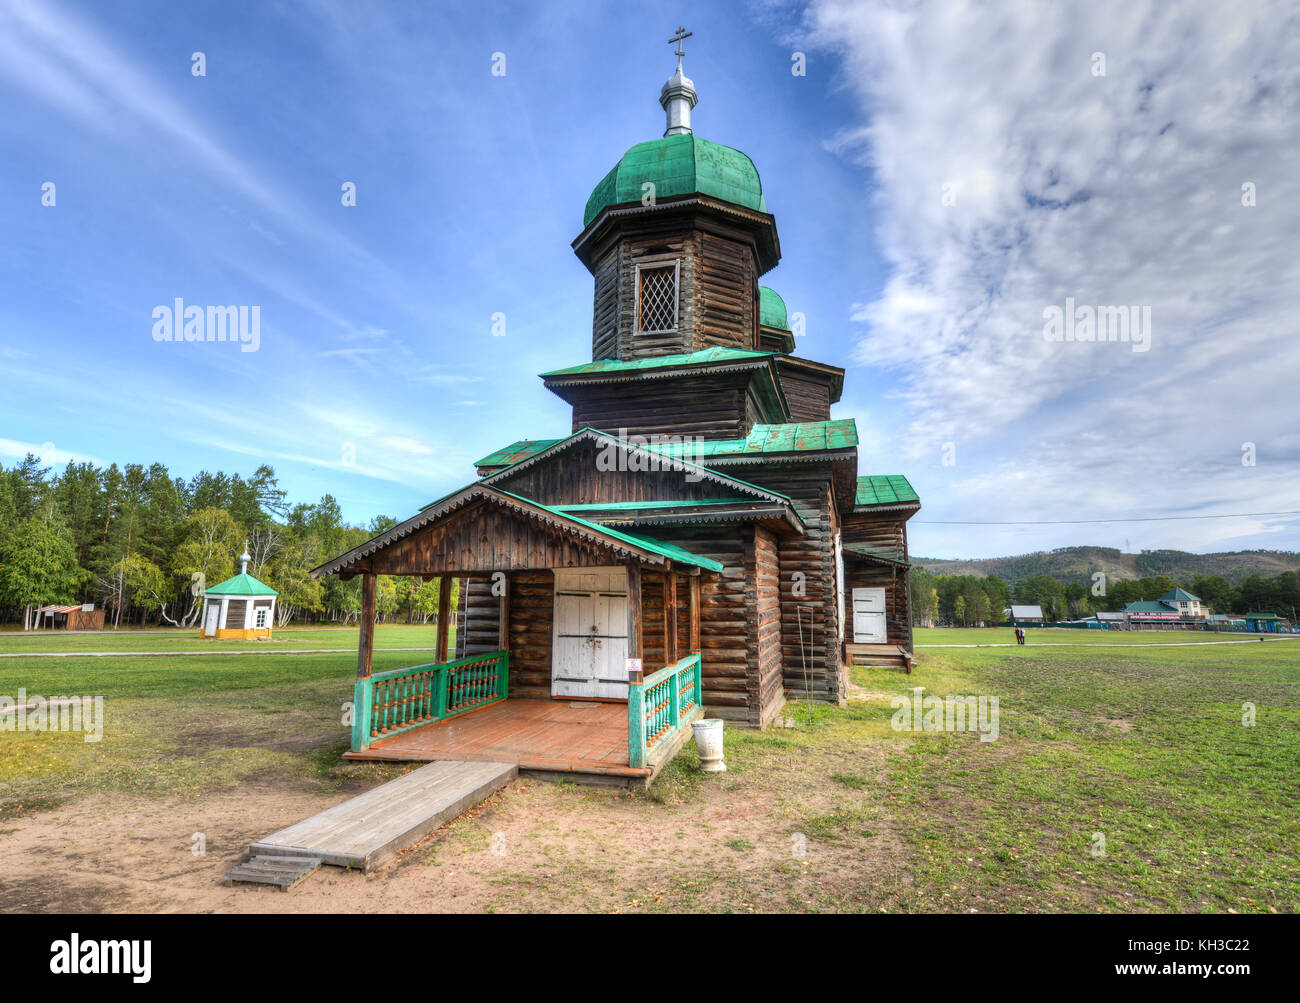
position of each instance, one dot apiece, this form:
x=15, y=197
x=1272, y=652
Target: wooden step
x=283, y=872
x=883, y=655
x=374, y=827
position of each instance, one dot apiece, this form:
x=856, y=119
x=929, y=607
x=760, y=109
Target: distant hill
x=1077, y=564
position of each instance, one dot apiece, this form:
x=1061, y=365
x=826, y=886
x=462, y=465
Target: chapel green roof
x=790, y=437
x=702, y=357
x=516, y=451
x=885, y=489
x=241, y=585
x=681, y=164
x=771, y=309
x=890, y=555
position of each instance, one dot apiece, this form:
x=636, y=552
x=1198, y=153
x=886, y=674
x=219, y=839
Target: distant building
x=1177, y=609
x=78, y=617
x=1024, y=614
x=1266, y=623
x=240, y=607
x=1183, y=601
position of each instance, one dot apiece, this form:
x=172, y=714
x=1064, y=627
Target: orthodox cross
x=681, y=35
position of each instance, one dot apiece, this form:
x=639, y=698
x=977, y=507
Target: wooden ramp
x=375, y=826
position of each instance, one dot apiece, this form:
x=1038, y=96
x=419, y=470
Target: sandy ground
x=534, y=846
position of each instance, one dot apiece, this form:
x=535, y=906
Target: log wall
x=716, y=406
x=810, y=617
x=717, y=288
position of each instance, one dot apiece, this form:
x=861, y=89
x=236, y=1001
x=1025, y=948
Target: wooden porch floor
x=549, y=736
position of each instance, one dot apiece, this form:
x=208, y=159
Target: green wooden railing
x=659, y=706
x=389, y=703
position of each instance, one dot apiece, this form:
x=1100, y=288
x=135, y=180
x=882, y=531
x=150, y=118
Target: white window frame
x=258, y=614
x=677, y=295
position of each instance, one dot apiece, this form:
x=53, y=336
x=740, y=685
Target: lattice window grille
x=658, y=299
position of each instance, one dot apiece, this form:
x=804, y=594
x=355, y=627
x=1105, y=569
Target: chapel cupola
x=676, y=236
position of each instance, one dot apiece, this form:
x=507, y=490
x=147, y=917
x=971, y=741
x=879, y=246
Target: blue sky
x=378, y=379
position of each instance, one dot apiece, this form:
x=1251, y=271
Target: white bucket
x=708, y=739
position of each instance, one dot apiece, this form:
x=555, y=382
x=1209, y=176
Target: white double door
x=589, y=653
x=869, y=616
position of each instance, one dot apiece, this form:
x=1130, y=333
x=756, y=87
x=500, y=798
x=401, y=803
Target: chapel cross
x=681, y=35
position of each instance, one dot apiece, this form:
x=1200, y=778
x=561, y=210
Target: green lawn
x=386, y=635
x=1145, y=746
x=924, y=636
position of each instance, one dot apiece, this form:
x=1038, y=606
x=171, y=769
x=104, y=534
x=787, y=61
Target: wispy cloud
x=1009, y=175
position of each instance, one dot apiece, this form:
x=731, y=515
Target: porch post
x=634, y=611
x=503, y=626
x=366, y=644
x=444, y=614
x=670, y=618
x=695, y=615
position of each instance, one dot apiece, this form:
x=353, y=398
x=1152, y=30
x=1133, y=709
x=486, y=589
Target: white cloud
x=1117, y=190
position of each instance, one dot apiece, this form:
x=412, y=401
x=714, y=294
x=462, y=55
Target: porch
x=566, y=692
x=461, y=711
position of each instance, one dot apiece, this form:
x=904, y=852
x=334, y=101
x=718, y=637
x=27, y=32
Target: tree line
x=969, y=600
x=144, y=544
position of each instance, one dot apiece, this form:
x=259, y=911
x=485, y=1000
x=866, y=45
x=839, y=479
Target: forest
x=143, y=545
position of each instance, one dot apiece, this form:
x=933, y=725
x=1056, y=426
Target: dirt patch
x=738, y=843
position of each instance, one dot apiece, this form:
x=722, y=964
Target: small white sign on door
x=633, y=667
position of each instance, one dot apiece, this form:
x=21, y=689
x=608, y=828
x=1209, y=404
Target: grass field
x=832, y=810
x=1056, y=636
x=189, y=640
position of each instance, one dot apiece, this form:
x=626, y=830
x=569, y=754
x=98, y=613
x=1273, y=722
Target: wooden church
x=700, y=543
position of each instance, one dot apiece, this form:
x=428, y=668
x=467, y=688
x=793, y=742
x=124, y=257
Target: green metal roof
x=792, y=437
x=885, y=489
x=241, y=585
x=1176, y=594
x=771, y=309
x=677, y=165
x=1149, y=606
x=887, y=554
x=515, y=452
x=702, y=357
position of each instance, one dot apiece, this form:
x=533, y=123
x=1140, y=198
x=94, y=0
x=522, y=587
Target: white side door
x=210, y=619
x=869, y=616
x=589, y=650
